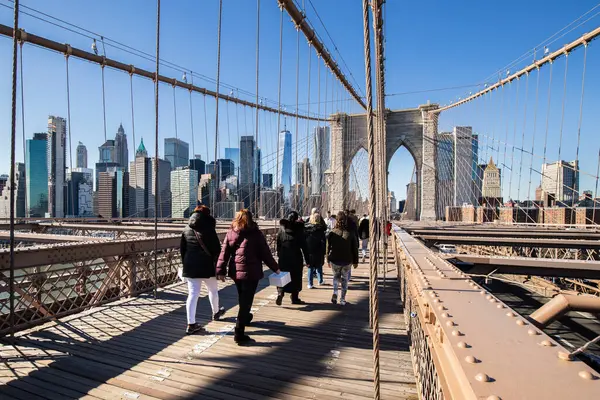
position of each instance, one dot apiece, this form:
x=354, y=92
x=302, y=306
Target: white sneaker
x=310, y=286
x=342, y=302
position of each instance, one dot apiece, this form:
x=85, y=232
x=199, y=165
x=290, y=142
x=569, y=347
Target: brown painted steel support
x=560, y=305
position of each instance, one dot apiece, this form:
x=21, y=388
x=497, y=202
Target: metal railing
x=56, y=280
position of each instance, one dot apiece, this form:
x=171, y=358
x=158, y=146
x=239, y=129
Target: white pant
x=194, y=289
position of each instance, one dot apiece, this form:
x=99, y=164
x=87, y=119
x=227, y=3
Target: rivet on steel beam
x=446, y=315
x=471, y=360
x=456, y=332
x=533, y=332
x=547, y=343
x=441, y=308
x=481, y=377
x=462, y=345
x=489, y=296
x=449, y=323
x=586, y=375
x=482, y=292
x=432, y=294
x=492, y=300
x=511, y=314
x=436, y=301
x=563, y=355
x=493, y=397
x=521, y=322
x=500, y=305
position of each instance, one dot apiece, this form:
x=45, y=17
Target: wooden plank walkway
x=136, y=349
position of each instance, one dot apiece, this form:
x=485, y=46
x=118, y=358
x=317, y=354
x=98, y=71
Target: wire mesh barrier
x=53, y=281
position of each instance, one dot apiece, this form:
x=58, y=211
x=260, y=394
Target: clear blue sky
x=438, y=45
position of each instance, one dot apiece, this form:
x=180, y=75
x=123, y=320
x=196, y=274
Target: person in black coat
x=292, y=253
x=200, y=248
x=315, y=242
x=363, y=234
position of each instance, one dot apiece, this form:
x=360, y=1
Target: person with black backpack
x=293, y=255
x=200, y=248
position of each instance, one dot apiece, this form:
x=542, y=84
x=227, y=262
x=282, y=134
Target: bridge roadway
x=136, y=349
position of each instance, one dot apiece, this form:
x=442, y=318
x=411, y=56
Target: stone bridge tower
x=415, y=129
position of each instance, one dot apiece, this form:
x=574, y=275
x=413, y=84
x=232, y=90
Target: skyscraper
x=233, y=154
x=19, y=194
x=113, y=193
x=121, y=150
x=141, y=185
x=267, y=181
x=199, y=166
x=321, y=158
x=56, y=159
x=560, y=183
x=79, y=193
x=225, y=169
x=246, y=160
x=177, y=152
x=284, y=170
x=184, y=191
x=107, y=153
x=81, y=156
x=257, y=165
x=36, y=167
x=464, y=170
x=491, y=189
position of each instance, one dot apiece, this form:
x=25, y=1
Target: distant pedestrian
x=352, y=226
x=292, y=253
x=363, y=234
x=342, y=254
x=244, y=251
x=315, y=243
x=199, y=248
x=330, y=221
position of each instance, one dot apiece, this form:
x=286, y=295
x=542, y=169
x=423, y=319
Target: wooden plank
x=316, y=351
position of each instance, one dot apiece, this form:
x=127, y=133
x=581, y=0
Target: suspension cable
x=155, y=166
x=132, y=112
x=280, y=175
x=373, y=243
x=257, y=196
x=214, y=192
x=13, y=131
x=192, y=120
x=69, y=135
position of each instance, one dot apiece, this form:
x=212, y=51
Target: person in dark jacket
x=363, y=234
x=315, y=244
x=342, y=253
x=244, y=251
x=292, y=252
x=200, y=248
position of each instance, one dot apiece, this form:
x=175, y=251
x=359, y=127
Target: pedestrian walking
x=244, y=251
x=292, y=253
x=342, y=254
x=363, y=234
x=199, y=248
x=353, y=227
x=330, y=221
x=315, y=244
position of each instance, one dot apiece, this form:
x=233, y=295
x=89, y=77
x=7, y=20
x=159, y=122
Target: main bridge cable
x=108, y=62
x=300, y=20
x=581, y=41
x=373, y=243
x=155, y=166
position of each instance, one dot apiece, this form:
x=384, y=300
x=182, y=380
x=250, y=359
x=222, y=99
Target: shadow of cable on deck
x=291, y=367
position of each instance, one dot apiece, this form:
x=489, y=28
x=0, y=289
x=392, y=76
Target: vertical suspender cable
x=132, y=112
x=13, y=132
x=205, y=129
x=297, y=100
x=155, y=166
x=69, y=133
x=579, y=122
x=279, y=104
x=192, y=119
x=374, y=320
x=257, y=197
x=217, y=173
x=308, y=101
x=537, y=89
x=562, y=124
x=23, y=117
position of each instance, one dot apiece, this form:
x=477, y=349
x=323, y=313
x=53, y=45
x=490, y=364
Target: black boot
x=250, y=317
x=296, y=299
x=280, y=294
x=241, y=338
